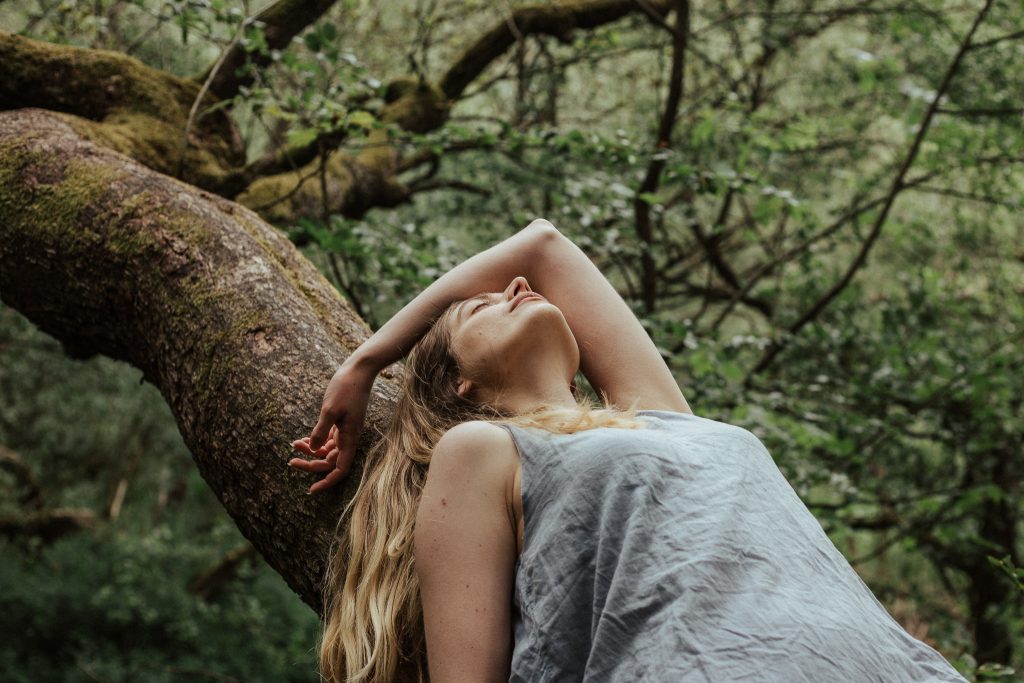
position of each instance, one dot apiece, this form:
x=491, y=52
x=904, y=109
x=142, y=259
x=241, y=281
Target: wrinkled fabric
x=680, y=553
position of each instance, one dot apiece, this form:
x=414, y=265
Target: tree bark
x=238, y=331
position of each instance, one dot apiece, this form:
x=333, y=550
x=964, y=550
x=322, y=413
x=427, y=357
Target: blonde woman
x=508, y=529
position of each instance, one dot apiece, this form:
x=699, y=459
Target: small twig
x=441, y=183
x=274, y=202
x=206, y=86
x=998, y=39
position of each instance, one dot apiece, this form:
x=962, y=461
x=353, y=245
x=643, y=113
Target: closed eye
x=477, y=308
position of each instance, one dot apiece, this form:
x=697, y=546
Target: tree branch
x=218, y=310
x=281, y=21
x=558, y=20
x=641, y=208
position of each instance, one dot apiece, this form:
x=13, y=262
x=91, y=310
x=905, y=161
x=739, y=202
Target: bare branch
x=1016, y=35
x=439, y=183
x=642, y=209
x=990, y=111
x=558, y=20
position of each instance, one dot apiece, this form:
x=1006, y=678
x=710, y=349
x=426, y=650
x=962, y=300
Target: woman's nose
x=518, y=284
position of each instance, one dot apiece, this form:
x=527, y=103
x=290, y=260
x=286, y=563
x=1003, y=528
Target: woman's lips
x=525, y=299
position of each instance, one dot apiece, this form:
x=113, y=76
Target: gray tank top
x=680, y=553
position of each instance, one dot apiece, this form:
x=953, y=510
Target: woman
x=508, y=529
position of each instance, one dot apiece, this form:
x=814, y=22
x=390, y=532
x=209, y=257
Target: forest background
x=813, y=207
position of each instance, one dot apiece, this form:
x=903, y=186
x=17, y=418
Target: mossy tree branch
x=217, y=309
x=119, y=102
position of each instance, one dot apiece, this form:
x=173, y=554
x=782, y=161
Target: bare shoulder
x=479, y=452
x=481, y=457
x=484, y=439
x=478, y=443
x=474, y=429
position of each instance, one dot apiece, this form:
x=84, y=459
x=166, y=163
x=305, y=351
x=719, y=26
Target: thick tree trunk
x=238, y=331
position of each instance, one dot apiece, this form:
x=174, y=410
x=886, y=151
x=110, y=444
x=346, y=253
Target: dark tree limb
x=238, y=331
x=47, y=524
x=558, y=20
x=213, y=581
x=652, y=179
x=281, y=21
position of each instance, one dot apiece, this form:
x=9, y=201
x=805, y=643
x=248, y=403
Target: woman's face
x=512, y=340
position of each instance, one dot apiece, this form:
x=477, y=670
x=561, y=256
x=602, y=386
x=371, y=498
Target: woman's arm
x=617, y=356
x=348, y=391
x=465, y=549
x=489, y=271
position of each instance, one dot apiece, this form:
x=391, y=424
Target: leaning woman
x=509, y=528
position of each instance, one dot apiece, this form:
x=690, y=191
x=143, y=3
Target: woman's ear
x=464, y=387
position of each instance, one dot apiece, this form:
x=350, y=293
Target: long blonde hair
x=373, y=617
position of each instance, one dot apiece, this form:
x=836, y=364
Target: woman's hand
x=332, y=443
x=325, y=460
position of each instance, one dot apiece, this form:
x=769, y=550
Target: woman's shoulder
x=479, y=438
x=489, y=452
x=474, y=432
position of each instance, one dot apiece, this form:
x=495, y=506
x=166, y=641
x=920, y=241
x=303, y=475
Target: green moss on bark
x=119, y=102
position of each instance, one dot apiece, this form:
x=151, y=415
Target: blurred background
x=813, y=207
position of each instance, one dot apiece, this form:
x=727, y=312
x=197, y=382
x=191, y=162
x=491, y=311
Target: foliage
x=111, y=602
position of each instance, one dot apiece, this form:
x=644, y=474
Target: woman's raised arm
x=489, y=271
x=617, y=356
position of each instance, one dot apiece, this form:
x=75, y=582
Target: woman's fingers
x=333, y=449
x=304, y=446
x=321, y=431
x=311, y=465
x=327, y=482
x=346, y=449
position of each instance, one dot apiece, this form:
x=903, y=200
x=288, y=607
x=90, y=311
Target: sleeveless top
x=681, y=553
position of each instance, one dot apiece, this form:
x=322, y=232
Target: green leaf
x=363, y=119
x=731, y=371
x=651, y=198
x=301, y=137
